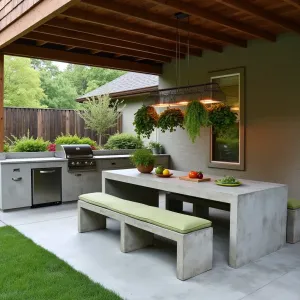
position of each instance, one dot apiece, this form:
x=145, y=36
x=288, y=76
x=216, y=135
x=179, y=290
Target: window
x=227, y=149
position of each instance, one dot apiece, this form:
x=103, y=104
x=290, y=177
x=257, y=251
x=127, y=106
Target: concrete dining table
x=258, y=210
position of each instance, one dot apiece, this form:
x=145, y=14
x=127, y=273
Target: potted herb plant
x=170, y=119
x=143, y=159
x=221, y=118
x=155, y=147
x=145, y=121
x=196, y=116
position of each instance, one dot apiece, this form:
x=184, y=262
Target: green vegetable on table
x=228, y=180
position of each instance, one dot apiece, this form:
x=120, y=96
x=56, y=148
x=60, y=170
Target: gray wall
x=272, y=111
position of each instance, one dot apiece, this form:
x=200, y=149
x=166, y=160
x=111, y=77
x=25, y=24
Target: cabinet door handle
x=47, y=172
x=17, y=178
x=78, y=175
x=113, y=163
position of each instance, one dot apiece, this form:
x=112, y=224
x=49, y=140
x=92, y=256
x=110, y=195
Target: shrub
x=74, y=139
x=142, y=157
x=29, y=144
x=6, y=147
x=123, y=141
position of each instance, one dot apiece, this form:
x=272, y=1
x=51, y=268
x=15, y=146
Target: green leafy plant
x=170, y=119
x=154, y=145
x=221, y=118
x=28, y=143
x=6, y=147
x=145, y=121
x=69, y=139
x=196, y=116
x=100, y=113
x=142, y=157
x=123, y=141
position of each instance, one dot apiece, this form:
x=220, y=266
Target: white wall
x=272, y=111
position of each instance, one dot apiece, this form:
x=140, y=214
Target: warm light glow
x=182, y=103
x=209, y=101
x=161, y=105
x=235, y=108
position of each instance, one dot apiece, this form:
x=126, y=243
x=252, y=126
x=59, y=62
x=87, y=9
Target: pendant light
x=207, y=93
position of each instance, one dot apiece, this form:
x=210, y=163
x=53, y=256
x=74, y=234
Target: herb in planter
x=170, y=119
x=145, y=121
x=221, y=117
x=155, y=147
x=144, y=160
x=196, y=116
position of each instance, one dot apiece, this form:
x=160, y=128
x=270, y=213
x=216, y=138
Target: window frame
x=231, y=165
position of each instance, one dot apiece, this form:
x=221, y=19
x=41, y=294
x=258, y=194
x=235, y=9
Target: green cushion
x=154, y=215
x=293, y=204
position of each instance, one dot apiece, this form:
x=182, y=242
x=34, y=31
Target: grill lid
x=74, y=151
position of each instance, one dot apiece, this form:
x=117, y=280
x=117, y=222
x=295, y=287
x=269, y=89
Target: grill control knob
x=86, y=163
x=78, y=163
x=91, y=163
x=73, y=163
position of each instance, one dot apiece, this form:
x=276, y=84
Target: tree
x=100, y=114
x=86, y=79
x=22, y=85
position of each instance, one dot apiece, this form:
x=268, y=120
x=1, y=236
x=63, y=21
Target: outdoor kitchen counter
x=57, y=159
x=258, y=210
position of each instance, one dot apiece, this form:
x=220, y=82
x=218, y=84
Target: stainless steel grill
x=80, y=157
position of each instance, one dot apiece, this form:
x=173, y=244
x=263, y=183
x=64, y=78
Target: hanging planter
x=170, y=119
x=145, y=121
x=196, y=116
x=221, y=118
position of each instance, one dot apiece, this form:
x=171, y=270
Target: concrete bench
x=140, y=222
x=293, y=221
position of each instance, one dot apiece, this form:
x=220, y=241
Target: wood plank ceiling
x=141, y=35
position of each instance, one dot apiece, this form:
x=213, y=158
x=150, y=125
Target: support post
x=1, y=102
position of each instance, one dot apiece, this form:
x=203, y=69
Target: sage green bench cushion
x=293, y=204
x=154, y=215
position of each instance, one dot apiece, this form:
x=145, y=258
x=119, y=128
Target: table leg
x=201, y=211
x=171, y=203
x=257, y=225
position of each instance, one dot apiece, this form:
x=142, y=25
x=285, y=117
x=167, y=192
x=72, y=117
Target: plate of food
x=228, y=181
x=160, y=171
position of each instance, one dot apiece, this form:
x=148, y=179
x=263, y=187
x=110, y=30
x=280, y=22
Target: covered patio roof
x=133, y=35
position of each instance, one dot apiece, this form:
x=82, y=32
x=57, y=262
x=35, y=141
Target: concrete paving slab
x=25, y=216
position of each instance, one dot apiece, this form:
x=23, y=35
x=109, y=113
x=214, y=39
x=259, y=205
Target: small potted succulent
x=155, y=147
x=143, y=159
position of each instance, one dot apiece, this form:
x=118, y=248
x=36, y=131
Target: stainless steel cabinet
x=15, y=186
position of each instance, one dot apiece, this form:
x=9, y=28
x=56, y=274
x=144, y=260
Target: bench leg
x=133, y=238
x=89, y=221
x=293, y=226
x=194, y=253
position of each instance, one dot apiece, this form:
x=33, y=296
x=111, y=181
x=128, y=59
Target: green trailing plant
x=142, y=157
x=221, y=118
x=196, y=116
x=170, y=119
x=145, y=121
x=123, y=141
x=28, y=143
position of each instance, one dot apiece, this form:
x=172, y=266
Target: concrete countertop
x=57, y=159
x=206, y=190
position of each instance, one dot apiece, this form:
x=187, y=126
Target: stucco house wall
x=272, y=111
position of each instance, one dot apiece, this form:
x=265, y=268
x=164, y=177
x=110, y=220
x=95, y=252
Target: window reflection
x=226, y=145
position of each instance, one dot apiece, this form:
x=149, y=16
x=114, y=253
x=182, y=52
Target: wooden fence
x=49, y=123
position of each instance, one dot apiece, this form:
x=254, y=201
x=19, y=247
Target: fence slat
x=48, y=123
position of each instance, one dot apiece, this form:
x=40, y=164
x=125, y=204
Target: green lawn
x=29, y=272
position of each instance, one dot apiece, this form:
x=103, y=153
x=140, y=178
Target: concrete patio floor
x=150, y=273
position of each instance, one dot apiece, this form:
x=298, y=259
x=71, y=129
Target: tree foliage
x=22, y=85
x=100, y=113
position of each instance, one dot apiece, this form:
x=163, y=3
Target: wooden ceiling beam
x=104, y=40
x=88, y=16
x=256, y=11
x=41, y=43
x=123, y=36
x=95, y=51
x=172, y=23
x=81, y=59
x=202, y=13
x=39, y=14
x=73, y=43
x=295, y=3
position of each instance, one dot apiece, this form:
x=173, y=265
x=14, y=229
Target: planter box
x=12, y=155
x=113, y=152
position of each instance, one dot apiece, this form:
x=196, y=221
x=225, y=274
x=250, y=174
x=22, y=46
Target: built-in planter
x=12, y=155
